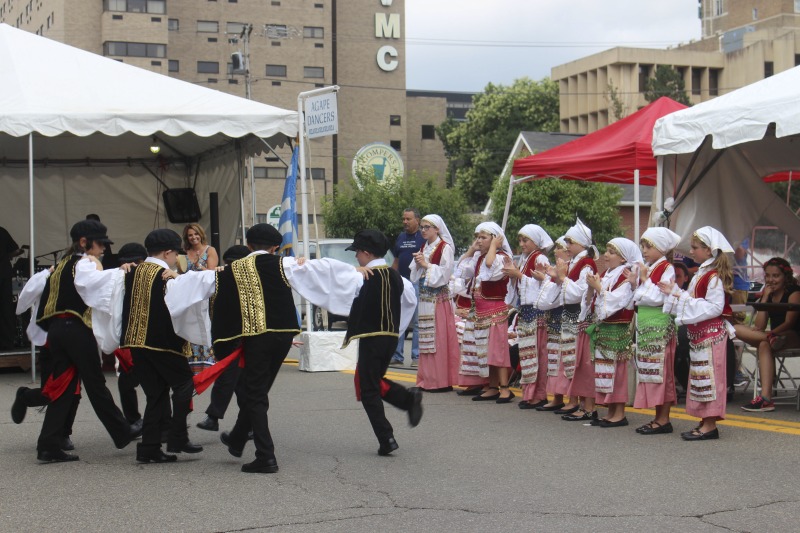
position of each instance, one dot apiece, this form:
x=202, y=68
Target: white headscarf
x=561, y=242
x=444, y=233
x=538, y=235
x=627, y=249
x=581, y=234
x=493, y=229
x=714, y=240
x=663, y=239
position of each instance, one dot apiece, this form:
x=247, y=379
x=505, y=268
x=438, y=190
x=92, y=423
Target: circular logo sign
x=381, y=159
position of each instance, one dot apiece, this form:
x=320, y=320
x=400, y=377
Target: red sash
x=54, y=388
x=204, y=378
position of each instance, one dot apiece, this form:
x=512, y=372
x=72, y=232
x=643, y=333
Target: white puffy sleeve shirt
x=608, y=302
x=688, y=310
x=29, y=299
x=648, y=294
x=530, y=288
x=435, y=275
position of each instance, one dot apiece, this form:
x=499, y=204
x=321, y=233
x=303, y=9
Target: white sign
x=322, y=115
x=274, y=216
x=381, y=159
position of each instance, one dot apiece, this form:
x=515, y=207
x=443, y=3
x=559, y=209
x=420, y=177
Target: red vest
x=655, y=275
x=701, y=289
x=436, y=256
x=575, y=273
x=530, y=263
x=623, y=315
x=493, y=290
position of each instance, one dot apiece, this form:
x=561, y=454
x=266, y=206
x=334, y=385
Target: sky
x=462, y=45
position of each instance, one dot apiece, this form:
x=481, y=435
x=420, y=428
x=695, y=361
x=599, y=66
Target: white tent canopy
x=91, y=121
x=713, y=158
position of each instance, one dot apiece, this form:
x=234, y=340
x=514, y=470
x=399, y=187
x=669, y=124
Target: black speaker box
x=181, y=205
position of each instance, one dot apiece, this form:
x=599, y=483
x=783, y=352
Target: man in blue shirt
x=408, y=242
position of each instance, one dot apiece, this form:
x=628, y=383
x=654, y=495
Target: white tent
x=712, y=159
x=82, y=124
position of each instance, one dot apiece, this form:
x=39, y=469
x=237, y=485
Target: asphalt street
x=467, y=467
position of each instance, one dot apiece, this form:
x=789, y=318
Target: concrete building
x=294, y=46
x=742, y=42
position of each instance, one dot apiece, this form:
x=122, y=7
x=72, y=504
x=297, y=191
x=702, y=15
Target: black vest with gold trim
x=60, y=296
x=146, y=322
x=252, y=297
x=376, y=309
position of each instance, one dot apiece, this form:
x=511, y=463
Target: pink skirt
x=717, y=407
x=583, y=380
x=498, y=346
x=649, y=395
x=436, y=370
x=534, y=392
x=620, y=393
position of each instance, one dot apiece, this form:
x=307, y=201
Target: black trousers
x=72, y=343
x=8, y=320
x=263, y=357
x=374, y=355
x=34, y=398
x=158, y=372
x=225, y=385
x=127, y=383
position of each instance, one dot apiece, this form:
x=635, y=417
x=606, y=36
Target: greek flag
x=288, y=222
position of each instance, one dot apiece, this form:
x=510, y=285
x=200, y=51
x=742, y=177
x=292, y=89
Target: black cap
x=264, y=234
x=372, y=241
x=160, y=240
x=91, y=229
x=235, y=252
x=131, y=252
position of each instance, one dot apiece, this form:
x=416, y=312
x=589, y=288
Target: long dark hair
x=786, y=269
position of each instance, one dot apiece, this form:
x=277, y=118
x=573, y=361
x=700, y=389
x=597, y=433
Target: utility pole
x=247, y=29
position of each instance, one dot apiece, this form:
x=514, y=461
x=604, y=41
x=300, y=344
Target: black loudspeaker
x=181, y=205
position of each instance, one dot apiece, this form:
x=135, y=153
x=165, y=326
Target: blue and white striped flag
x=288, y=222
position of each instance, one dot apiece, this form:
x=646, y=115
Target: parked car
x=333, y=249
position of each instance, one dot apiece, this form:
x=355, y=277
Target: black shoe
x=209, y=423
x=648, y=429
x=554, y=407
x=699, y=435
x=472, y=391
x=66, y=444
x=259, y=466
x=18, y=408
x=225, y=437
x=136, y=428
x=583, y=416
x=507, y=399
x=441, y=389
x=157, y=456
x=55, y=457
x=597, y=421
x=187, y=447
x=569, y=411
x=491, y=397
x=388, y=447
x=617, y=424
x=415, y=411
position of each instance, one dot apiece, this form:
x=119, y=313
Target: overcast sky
x=457, y=45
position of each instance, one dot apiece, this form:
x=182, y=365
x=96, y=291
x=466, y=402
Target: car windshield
x=337, y=251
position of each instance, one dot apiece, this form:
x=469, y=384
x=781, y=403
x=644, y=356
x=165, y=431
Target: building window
x=394, y=120
x=262, y=218
x=277, y=31
x=207, y=26
x=315, y=173
x=276, y=71
x=713, y=82
x=797, y=6
x=114, y=48
x=173, y=24
x=769, y=69
x=275, y=3
x=697, y=77
x=157, y=7
x=234, y=27
x=116, y=17
x=208, y=67
x=174, y=65
x=318, y=6
x=396, y=145
x=428, y=132
x=259, y=172
x=644, y=75
x=276, y=84
x=797, y=60
x=313, y=72
x=755, y=13
x=719, y=7
x=313, y=32
x=319, y=45
x=276, y=173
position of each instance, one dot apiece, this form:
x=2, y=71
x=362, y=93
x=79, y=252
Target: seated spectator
x=779, y=286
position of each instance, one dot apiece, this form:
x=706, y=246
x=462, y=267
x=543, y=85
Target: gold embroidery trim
x=52, y=297
x=139, y=311
x=251, y=295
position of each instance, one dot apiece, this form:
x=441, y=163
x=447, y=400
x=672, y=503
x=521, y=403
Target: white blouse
x=435, y=275
x=648, y=294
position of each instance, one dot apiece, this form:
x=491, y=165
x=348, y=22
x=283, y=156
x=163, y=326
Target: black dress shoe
x=209, y=423
x=507, y=399
x=19, y=408
x=388, y=446
x=583, y=416
x=569, y=411
x=186, y=447
x=415, y=411
x=648, y=429
x=699, y=435
x=135, y=429
x=441, y=389
x=260, y=466
x=617, y=424
x=554, y=407
x=157, y=456
x=66, y=444
x=58, y=456
x=472, y=391
x=481, y=398
x=225, y=437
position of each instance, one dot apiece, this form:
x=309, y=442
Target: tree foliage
x=615, y=104
x=366, y=203
x=666, y=82
x=478, y=147
x=554, y=203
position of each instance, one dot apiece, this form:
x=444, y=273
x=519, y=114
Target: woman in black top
x=779, y=286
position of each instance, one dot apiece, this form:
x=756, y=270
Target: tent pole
x=32, y=249
x=508, y=202
x=301, y=132
x=636, y=205
x=659, y=183
x=241, y=196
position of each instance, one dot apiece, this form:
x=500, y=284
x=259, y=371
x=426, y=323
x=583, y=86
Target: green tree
x=478, y=147
x=380, y=206
x=554, y=203
x=666, y=82
x=615, y=104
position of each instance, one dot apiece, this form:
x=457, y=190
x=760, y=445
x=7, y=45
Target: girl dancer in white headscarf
x=438, y=343
x=485, y=349
x=611, y=299
x=530, y=326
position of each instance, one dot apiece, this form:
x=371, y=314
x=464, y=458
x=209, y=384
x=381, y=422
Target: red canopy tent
x=618, y=153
